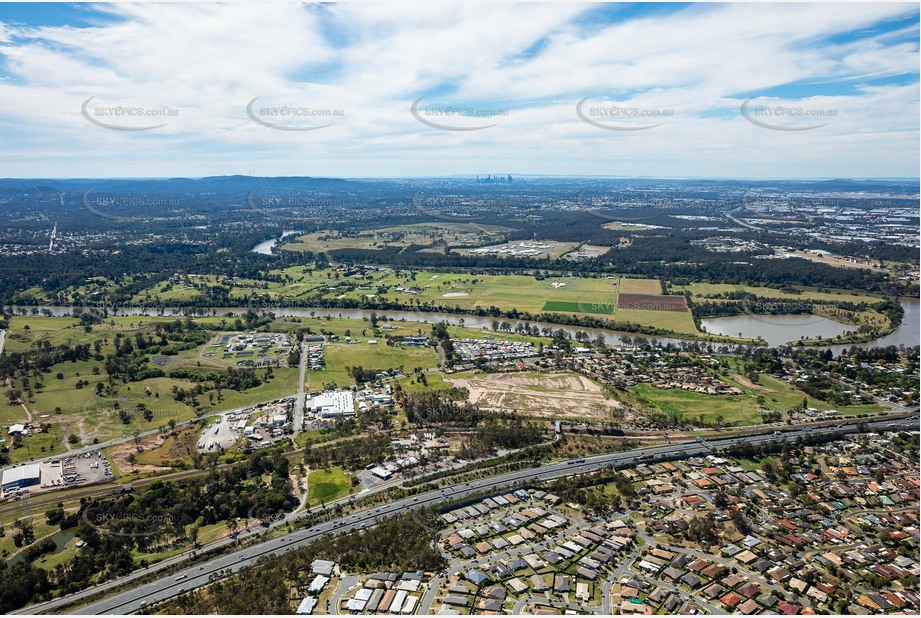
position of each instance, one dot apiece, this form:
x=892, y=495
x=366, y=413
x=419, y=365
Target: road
x=299, y=402
x=135, y=598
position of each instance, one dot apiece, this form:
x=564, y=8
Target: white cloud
x=372, y=61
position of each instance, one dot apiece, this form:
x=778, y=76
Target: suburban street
x=137, y=597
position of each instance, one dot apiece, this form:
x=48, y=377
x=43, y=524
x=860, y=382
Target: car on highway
x=182, y=577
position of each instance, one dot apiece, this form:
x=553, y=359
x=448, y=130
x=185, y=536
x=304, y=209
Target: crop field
x=652, y=302
x=630, y=285
x=520, y=292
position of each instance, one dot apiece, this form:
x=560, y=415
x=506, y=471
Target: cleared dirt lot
x=652, y=302
x=543, y=395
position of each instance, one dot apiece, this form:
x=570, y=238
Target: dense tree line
x=166, y=515
x=352, y=454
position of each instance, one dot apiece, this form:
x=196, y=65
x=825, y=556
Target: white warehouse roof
x=28, y=471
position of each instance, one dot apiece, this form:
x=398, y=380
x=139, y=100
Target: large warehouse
x=22, y=476
x=333, y=403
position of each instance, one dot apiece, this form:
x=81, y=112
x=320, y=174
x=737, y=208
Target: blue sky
x=133, y=90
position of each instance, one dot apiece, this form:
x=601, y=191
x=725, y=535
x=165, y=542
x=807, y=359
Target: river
x=265, y=247
x=780, y=329
x=776, y=330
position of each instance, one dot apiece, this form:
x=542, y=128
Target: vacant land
x=652, y=302
x=539, y=395
x=779, y=396
x=709, y=290
x=327, y=485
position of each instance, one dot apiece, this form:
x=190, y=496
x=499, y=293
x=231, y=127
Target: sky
x=828, y=90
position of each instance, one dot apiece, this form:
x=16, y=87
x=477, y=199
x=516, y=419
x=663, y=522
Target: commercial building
x=22, y=476
x=333, y=403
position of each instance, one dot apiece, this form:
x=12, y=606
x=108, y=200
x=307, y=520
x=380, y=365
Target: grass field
x=739, y=409
x=378, y=357
x=629, y=285
x=680, y=322
x=702, y=290
x=568, y=306
x=433, y=289
x=326, y=486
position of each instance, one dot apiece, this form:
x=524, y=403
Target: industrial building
x=333, y=403
x=22, y=476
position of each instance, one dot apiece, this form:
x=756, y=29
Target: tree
x=741, y=522
x=767, y=467
x=703, y=530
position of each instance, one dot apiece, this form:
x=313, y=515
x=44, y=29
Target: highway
x=167, y=586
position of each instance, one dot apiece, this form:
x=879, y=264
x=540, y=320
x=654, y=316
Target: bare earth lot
x=543, y=395
x=652, y=302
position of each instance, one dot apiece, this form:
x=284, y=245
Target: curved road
x=136, y=598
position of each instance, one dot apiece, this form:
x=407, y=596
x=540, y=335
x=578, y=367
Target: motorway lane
x=133, y=599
